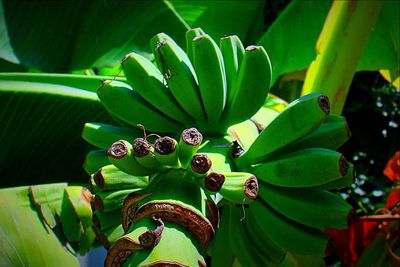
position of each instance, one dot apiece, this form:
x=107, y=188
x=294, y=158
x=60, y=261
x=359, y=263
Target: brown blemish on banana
x=192, y=220
x=346, y=125
x=323, y=103
x=117, y=150
x=214, y=181
x=201, y=163
x=141, y=147
x=192, y=136
x=251, y=188
x=151, y=238
x=120, y=251
x=129, y=209
x=165, y=145
x=343, y=166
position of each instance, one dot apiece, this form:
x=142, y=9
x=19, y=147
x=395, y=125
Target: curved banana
x=190, y=35
x=103, y=135
x=145, y=78
x=222, y=254
x=287, y=127
x=127, y=105
x=209, y=66
x=288, y=234
x=232, y=51
x=179, y=75
x=250, y=89
x=94, y=160
x=303, y=168
x=315, y=208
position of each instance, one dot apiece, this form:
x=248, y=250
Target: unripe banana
x=103, y=135
x=250, y=88
x=298, y=119
x=94, y=160
x=239, y=187
x=144, y=154
x=200, y=165
x=188, y=145
x=111, y=178
x=122, y=156
x=288, y=234
x=190, y=35
x=111, y=200
x=166, y=151
x=304, y=168
x=331, y=134
x=315, y=208
x=179, y=75
x=209, y=66
x=232, y=51
x=127, y=105
x=145, y=78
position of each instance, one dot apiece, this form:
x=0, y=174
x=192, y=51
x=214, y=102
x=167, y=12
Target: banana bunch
x=254, y=189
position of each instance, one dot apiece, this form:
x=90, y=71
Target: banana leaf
x=40, y=127
x=291, y=39
x=24, y=239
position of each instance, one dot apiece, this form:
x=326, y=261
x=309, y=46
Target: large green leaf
x=291, y=39
x=58, y=36
x=24, y=239
x=225, y=17
x=40, y=127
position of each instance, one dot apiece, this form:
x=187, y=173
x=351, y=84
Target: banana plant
x=187, y=164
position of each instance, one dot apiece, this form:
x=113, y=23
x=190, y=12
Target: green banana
x=209, y=66
x=232, y=51
x=103, y=135
x=144, y=154
x=111, y=200
x=222, y=254
x=166, y=151
x=111, y=178
x=145, y=78
x=261, y=240
x=288, y=234
x=303, y=168
x=315, y=208
x=127, y=105
x=122, y=156
x=190, y=35
x=179, y=75
x=250, y=89
x=94, y=160
x=240, y=243
x=331, y=134
x=287, y=127
x=239, y=187
x=189, y=143
x=340, y=183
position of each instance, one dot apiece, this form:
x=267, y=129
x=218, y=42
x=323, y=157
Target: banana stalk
x=339, y=48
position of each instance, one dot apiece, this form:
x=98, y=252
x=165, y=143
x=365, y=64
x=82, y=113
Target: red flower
x=392, y=169
x=348, y=244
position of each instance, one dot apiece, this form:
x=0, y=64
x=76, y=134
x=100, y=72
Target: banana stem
x=339, y=48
